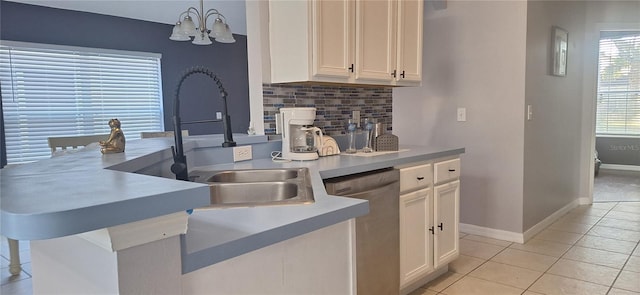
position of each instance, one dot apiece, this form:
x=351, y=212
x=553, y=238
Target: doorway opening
x=618, y=118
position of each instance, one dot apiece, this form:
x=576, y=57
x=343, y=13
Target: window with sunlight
x=50, y=91
x=618, y=97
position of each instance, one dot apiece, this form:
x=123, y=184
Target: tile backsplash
x=333, y=104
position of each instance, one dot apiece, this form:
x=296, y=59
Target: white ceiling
x=161, y=11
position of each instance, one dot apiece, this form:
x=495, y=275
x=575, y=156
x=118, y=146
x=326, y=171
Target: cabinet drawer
x=416, y=177
x=446, y=170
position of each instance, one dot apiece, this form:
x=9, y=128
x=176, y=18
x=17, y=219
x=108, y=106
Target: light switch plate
x=529, y=112
x=462, y=114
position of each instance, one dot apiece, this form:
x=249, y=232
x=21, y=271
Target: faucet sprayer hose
x=189, y=72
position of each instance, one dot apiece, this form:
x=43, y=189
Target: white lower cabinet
x=429, y=217
x=416, y=250
x=446, y=217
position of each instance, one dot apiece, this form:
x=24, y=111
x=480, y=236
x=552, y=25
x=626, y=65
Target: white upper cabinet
x=333, y=32
x=409, y=57
x=346, y=41
x=375, y=41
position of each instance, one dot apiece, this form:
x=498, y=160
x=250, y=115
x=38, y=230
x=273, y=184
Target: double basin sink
x=256, y=187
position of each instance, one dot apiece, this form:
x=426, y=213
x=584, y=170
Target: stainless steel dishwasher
x=377, y=233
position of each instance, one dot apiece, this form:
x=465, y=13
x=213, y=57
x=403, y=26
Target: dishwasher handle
x=355, y=184
x=374, y=190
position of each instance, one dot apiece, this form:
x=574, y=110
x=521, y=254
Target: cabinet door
x=375, y=40
x=446, y=219
x=409, y=65
x=416, y=251
x=333, y=38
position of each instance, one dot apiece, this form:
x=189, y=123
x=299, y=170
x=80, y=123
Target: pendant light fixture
x=185, y=29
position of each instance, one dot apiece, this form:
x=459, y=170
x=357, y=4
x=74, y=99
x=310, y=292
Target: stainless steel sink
x=254, y=175
x=256, y=187
x=257, y=192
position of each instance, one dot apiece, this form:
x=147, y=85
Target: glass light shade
x=218, y=28
x=202, y=38
x=227, y=36
x=188, y=27
x=178, y=35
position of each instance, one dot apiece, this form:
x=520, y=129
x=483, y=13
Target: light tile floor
x=591, y=250
x=18, y=284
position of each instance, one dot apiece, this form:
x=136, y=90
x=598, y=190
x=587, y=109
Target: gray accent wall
x=618, y=150
x=200, y=98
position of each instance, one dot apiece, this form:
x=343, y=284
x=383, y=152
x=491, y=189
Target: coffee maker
x=300, y=139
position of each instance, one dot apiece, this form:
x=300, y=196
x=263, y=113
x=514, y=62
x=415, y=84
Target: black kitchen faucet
x=179, y=167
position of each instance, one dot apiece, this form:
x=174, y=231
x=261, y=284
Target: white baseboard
x=620, y=167
x=421, y=282
x=585, y=201
x=492, y=233
x=532, y=231
x=522, y=237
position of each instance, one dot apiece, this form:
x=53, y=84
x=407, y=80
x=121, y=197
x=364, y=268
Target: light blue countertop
x=85, y=191
x=215, y=235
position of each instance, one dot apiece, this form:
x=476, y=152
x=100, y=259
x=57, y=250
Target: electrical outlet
x=218, y=115
x=242, y=153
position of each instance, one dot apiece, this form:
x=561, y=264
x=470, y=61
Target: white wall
x=474, y=57
x=515, y=172
x=258, y=63
x=552, y=137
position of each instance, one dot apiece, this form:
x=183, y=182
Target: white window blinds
x=52, y=91
x=618, y=102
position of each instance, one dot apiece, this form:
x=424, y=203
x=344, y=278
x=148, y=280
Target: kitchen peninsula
x=117, y=223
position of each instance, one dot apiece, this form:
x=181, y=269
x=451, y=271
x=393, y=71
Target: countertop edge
x=207, y=257
x=386, y=163
x=48, y=225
